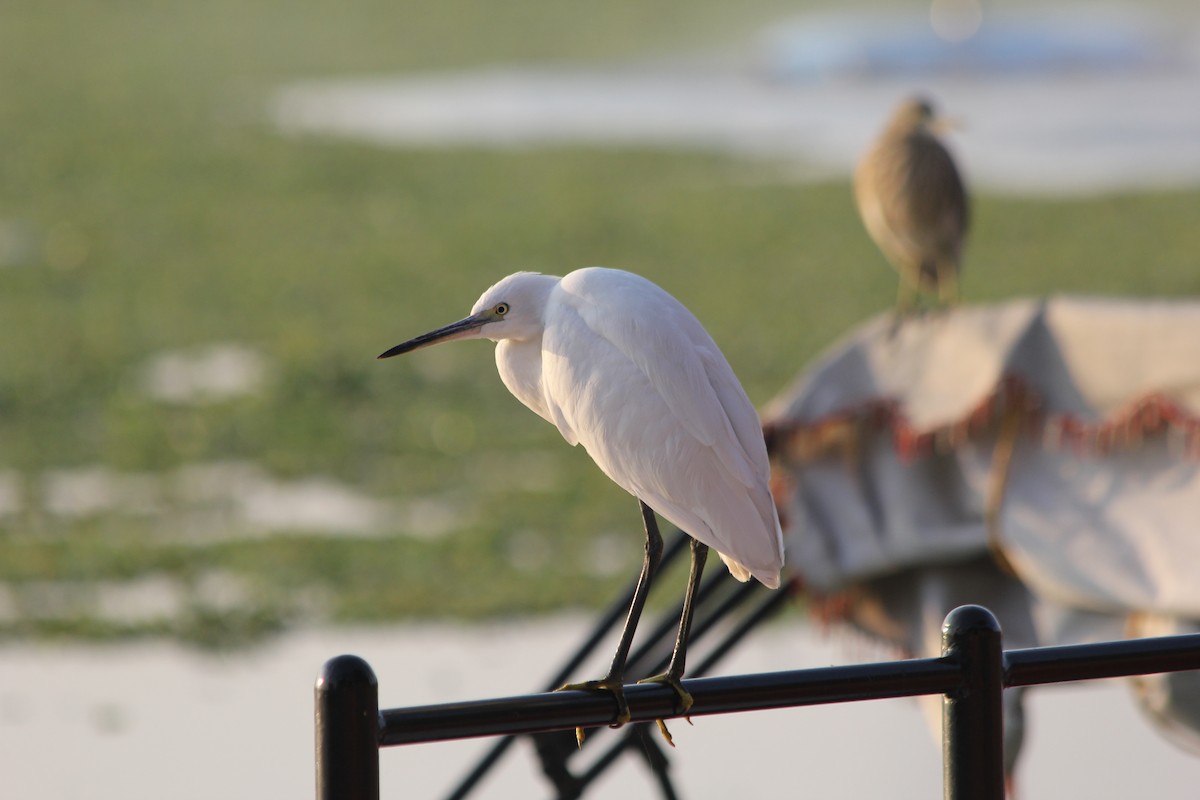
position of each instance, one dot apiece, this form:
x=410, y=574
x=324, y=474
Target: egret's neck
x=520, y=367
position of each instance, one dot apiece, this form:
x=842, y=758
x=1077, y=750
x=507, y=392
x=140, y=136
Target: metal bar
x=347, y=730
x=350, y=727
x=658, y=761
x=655, y=758
x=647, y=702
x=639, y=734
x=665, y=629
x=615, y=613
x=1082, y=662
x=555, y=748
x=972, y=717
x=768, y=609
x=660, y=767
x=481, y=768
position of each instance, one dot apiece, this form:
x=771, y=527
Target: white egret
x=623, y=368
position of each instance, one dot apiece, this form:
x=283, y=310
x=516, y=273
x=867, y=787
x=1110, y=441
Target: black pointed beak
x=463, y=329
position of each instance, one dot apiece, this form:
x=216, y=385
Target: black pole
x=972, y=716
x=653, y=753
x=650, y=701
x=771, y=606
x=615, y=613
x=556, y=747
x=347, y=723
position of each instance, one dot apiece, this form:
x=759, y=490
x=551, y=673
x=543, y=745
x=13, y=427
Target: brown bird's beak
x=942, y=125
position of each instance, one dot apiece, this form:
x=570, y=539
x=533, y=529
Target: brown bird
x=913, y=203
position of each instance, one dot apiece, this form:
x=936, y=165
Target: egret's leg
x=678, y=661
x=614, y=680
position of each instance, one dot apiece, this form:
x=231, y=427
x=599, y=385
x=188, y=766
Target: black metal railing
x=971, y=674
x=726, y=612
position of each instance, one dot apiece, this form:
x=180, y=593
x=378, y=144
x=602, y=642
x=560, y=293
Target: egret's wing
x=676, y=355
x=634, y=376
x=555, y=393
x=747, y=426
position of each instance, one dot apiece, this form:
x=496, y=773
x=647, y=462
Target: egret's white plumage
x=621, y=367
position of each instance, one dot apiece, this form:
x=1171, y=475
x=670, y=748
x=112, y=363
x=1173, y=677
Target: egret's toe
x=614, y=686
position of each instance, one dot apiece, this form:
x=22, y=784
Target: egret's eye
x=501, y=309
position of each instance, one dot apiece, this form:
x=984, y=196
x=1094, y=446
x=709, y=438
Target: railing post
x=347, y=727
x=972, y=715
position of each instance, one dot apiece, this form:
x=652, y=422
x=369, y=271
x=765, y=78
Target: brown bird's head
x=919, y=114
x=913, y=113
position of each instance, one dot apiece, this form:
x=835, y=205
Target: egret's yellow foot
x=615, y=687
x=685, y=701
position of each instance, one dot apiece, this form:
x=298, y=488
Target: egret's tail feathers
x=770, y=581
x=743, y=573
x=735, y=568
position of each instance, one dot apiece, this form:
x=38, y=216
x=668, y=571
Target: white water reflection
x=206, y=374
x=93, y=490
x=145, y=600
x=1070, y=101
x=213, y=501
x=11, y=493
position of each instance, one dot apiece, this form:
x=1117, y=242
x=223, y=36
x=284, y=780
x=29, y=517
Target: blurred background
x=213, y=216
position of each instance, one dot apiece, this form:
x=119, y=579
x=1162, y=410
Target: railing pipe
x=1083, y=662
x=647, y=702
x=972, y=715
x=615, y=614
x=347, y=726
x=971, y=674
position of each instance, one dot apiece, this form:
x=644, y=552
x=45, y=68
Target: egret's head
x=512, y=309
